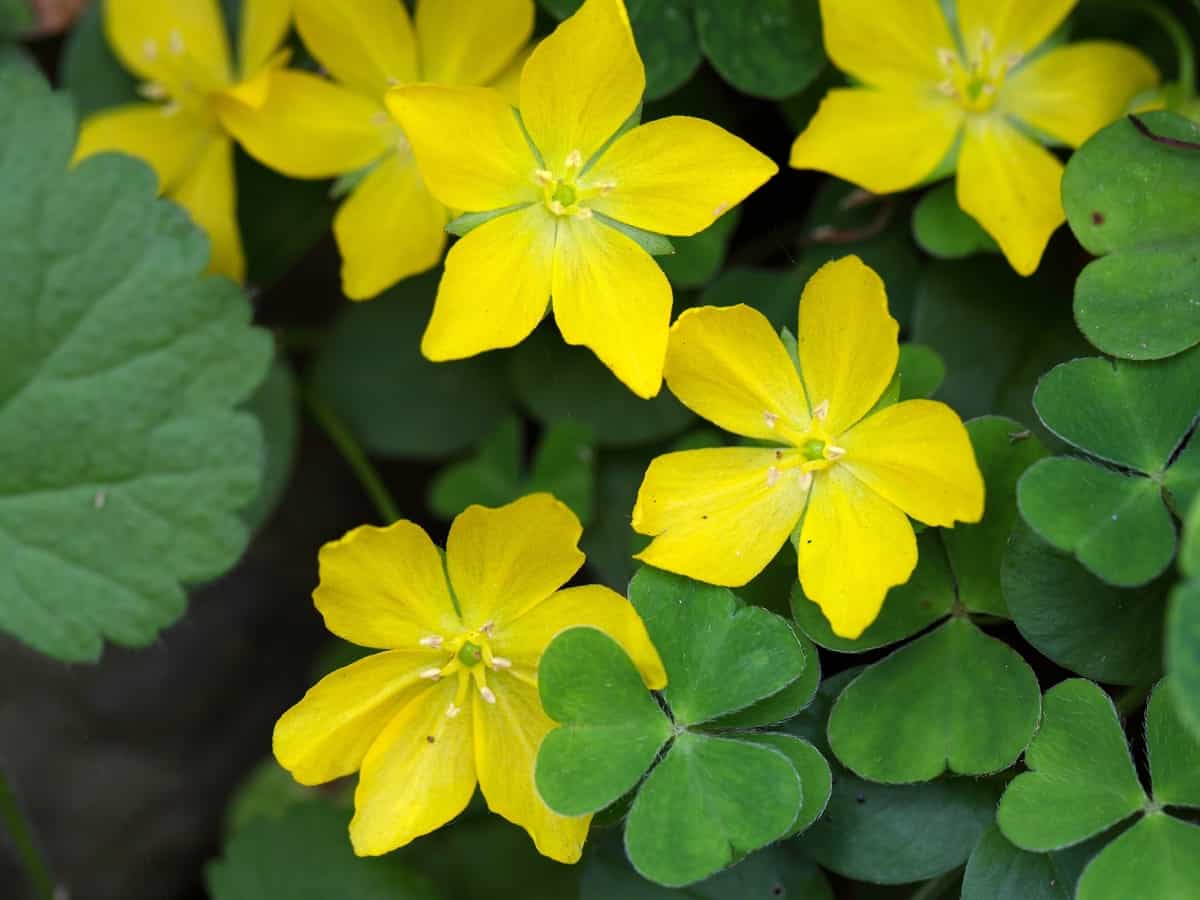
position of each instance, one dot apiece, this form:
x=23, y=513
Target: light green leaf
x=944, y=230
x=1174, y=751
x=1183, y=477
x=1183, y=651
x=1156, y=859
x=920, y=370
x=781, y=706
x=816, y=777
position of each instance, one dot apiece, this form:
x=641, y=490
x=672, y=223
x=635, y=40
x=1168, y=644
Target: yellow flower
x=849, y=474
x=181, y=50
x=453, y=699
x=564, y=180
x=390, y=227
x=929, y=95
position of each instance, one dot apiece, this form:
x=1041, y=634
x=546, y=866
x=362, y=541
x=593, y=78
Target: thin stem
x=1132, y=698
x=1184, y=52
x=355, y=457
x=36, y=869
x=932, y=890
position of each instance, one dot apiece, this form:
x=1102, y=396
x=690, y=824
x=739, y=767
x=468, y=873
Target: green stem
x=1132, y=698
x=932, y=890
x=1184, y=51
x=36, y=869
x=355, y=457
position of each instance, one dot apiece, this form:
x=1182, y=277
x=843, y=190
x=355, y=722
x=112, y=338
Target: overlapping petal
x=1012, y=27
x=166, y=138
x=854, y=546
x=582, y=82
x=503, y=562
x=1011, y=187
x=849, y=344
x=917, y=455
x=1072, y=92
x=468, y=42
x=887, y=43
x=718, y=515
x=208, y=191
x=883, y=141
x=265, y=24
x=171, y=42
x=677, y=175
x=368, y=45
x=728, y=365
x=385, y=587
x=327, y=734
x=611, y=296
x=389, y=228
x=496, y=286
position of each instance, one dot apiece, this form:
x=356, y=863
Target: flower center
x=470, y=656
x=814, y=449
x=564, y=193
x=975, y=82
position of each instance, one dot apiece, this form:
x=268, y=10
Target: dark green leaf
x=276, y=404
x=1174, y=751
x=698, y=258
x=1182, y=480
x=90, y=71
x=1183, y=651
x=1156, y=859
x=766, y=48
x=997, y=870
x=774, y=293
x=920, y=371
x=944, y=230
x=816, y=778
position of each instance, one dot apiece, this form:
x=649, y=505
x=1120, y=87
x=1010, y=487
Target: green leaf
x=1081, y=779
x=698, y=258
x=1111, y=634
x=89, y=70
x=394, y=400
x=1183, y=651
x=1182, y=480
x=1004, y=449
x=610, y=729
x=774, y=293
x=610, y=541
x=269, y=791
x=780, y=706
x=1132, y=201
x=709, y=802
x=908, y=609
x=583, y=390
x=652, y=243
x=920, y=370
x=765, y=48
x=998, y=870
x=125, y=461
x=1116, y=525
x=1133, y=414
x=816, y=777
x=305, y=855
x=944, y=230
x=720, y=656
x=903, y=720
x=1189, y=550
x=1174, y=751
x=1156, y=859
x=276, y=404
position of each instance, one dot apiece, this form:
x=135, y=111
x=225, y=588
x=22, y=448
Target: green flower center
x=565, y=194
x=813, y=450
x=975, y=81
x=470, y=654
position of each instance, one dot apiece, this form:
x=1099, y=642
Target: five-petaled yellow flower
x=848, y=474
x=391, y=226
x=928, y=95
x=453, y=700
x=181, y=50
x=566, y=181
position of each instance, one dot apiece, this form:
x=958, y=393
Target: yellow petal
x=503, y=562
x=368, y=45
x=883, y=141
x=307, y=127
x=848, y=342
x=327, y=734
x=508, y=82
x=1011, y=27
x=418, y=775
x=917, y=455
x=1012, y=188
x=1072, y=92
x=611, y=296
x=582, y=82
x=165, y=137
x=468, y=42
x=854, y=546
x=209, y=193
x=719, y=515
x=252, y=91
x=265, y=24
x=389, y=228
x=171, y=42
x=524, y=641
x=887, y=43
x=729, y=366
x=385, y=587
x=469, y=145
x=496, y=286
x=507, y=736
x=677, y=175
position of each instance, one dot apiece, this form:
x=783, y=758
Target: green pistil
x=565, y=194
x=470, y=654
x=814, y=450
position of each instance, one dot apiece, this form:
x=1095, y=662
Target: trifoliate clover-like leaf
x=121, y=366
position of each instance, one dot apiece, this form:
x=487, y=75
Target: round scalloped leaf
x=903, y=720
x=1110, y=634
x=720, y=655
x=1133, y=202
x=1183, y=651
x=1081, y=778
x=943, y=230
x=784, y=704
x=1116, y=525
x=709, y=802
x=997, y=870
x=1156, y=859
x=610, y=728
x=816, y=777
x=125, y=461
x=1182, y=480
x=1173, y=749
x=1133, y=414
x=765, y=48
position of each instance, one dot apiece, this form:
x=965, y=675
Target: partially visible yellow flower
x=181, y=50
x=453, y=701
x=929, y=94
x=563, y=182
x=391, y=227
x=849, y=474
